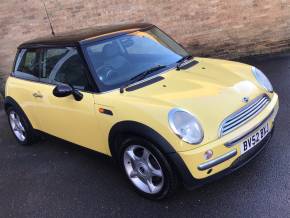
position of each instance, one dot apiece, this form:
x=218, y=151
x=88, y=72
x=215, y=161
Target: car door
x=66, y=118
x=25, y=80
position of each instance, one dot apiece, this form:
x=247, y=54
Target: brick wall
x=224, y=28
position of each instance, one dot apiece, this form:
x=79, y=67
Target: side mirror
x=64, y=90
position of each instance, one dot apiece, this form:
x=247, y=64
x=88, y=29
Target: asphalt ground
x=54, y=178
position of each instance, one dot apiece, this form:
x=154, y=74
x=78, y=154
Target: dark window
x=50, y=60
x=28, y=64
x=64, y=65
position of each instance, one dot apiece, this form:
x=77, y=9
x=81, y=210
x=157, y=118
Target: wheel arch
x=10, y=102
x=123, y=128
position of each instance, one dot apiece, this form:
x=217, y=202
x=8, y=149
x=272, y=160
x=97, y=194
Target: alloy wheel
x=17, y=127
x=143, y=169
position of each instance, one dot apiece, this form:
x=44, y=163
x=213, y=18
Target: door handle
x=37, y=95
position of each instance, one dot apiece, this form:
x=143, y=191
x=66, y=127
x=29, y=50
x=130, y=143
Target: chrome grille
x=244, y=114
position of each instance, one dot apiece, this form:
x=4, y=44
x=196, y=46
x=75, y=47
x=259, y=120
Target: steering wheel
x=106, y=72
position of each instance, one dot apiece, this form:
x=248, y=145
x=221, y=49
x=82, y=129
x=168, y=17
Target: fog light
x=208, y=154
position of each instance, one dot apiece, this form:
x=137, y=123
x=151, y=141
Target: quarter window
x=28, y=64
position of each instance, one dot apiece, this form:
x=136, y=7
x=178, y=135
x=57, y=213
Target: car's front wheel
x=147, y=168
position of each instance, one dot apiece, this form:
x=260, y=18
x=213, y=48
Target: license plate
x=251, y=141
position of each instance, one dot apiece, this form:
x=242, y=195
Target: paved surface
x=57, y=179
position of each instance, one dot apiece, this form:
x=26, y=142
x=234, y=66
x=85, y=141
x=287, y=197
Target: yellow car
x=133, y=93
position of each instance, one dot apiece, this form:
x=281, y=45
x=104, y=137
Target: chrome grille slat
x=246, y=110
x=245, y=114
x=245, y=118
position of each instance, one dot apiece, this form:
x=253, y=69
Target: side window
x=28, y=64
x=51, y=58
x=64, y=65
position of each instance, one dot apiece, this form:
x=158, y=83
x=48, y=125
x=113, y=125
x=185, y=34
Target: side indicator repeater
x=105, y=111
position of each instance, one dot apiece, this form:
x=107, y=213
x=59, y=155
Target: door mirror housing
x=64, y=90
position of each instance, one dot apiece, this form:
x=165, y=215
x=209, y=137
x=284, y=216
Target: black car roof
x=73, y=38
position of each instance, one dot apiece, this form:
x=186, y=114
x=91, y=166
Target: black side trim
x=143, y=84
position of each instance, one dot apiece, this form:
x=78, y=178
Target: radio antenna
x=52, y=31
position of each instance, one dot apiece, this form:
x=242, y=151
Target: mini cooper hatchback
x=133, y=93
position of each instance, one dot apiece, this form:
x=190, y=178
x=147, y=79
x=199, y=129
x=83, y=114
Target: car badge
x=245, y=99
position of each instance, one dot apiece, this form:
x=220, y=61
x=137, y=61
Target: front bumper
x=238, y=163
x=227, y=155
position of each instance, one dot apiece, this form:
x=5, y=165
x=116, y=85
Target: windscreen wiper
x=182, y=60
x=141, y=76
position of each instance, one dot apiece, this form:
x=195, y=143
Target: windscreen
x=116, y=60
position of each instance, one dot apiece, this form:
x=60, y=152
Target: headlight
x=262, y=79
x=185, y=126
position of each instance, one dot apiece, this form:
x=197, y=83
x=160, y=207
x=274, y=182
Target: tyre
x=20, y=126
x=147, y=169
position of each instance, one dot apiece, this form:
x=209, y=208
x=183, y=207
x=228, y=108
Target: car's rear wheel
x=20, y=126
x=147, y=169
